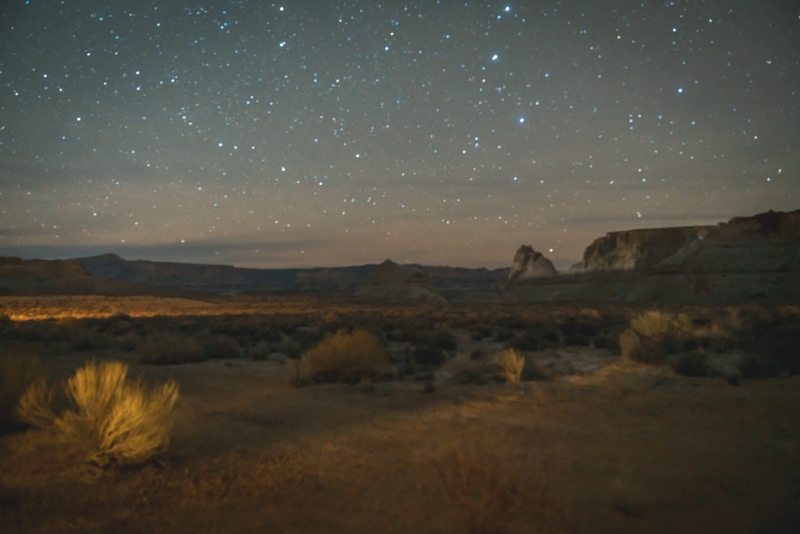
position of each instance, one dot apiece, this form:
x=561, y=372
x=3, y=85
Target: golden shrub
x=656, y=324
x=639, y=348
x=116, y=420
x=509, y=365
x=343, y=357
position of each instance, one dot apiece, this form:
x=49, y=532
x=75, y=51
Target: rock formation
x=637, y=249
x=530, y=264
x=390, y=281
x=746, y=260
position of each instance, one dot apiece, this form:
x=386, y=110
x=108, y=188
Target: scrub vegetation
x=408, y=419
x=112, y=421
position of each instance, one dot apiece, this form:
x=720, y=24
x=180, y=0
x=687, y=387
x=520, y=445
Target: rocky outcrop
x=392, y=282
x=746, y=260
x=530, y=264
x=637, y=249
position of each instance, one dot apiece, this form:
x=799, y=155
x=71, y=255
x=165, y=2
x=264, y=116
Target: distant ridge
x=65, y=277
x=745, y=260
x=229, y=279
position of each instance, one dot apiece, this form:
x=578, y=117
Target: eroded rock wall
x=637, y=249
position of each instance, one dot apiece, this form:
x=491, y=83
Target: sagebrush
x=116, y=421
x=509, y=365
x=657, y=324
x=343, y=357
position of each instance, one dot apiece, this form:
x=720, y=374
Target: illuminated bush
x=656, y=324
x=343, y=357
x=509, y=365
x=653, y=334
x=113, y=420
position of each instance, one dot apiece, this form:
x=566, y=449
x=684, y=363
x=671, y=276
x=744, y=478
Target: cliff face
x=637, y=249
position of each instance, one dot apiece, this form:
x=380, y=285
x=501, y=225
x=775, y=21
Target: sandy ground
x=627, y=448
x=605, y=446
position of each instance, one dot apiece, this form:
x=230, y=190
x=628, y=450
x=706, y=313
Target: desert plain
x=589, y=440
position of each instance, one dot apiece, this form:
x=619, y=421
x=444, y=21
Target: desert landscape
x=411, y=399
x=355, y=267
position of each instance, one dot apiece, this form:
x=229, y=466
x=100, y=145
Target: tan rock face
x=637, y=249
x=530, y=264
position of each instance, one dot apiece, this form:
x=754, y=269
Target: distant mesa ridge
x=637, y=249
x=747, y=259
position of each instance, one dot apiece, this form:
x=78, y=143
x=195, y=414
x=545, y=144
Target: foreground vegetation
x=438, y=419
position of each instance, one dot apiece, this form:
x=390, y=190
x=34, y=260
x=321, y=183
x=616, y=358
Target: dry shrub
x=18, y=370
x=172, y=349
x=490, y=493
x=343, y=357
x=653, y=333
x=114, y=420
x=640, y=349
x=656, y=324
x=509, y=365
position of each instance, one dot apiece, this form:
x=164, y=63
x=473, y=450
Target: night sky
x=319, y=133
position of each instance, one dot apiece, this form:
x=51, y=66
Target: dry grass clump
x=115, y=421
x=492, y=494
x=509, y=365
x=343, y=357
x=18, y=370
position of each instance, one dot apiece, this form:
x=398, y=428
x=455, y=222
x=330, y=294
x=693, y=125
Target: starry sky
x=323, y=133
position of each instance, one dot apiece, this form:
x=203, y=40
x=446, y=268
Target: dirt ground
x=618, y=447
